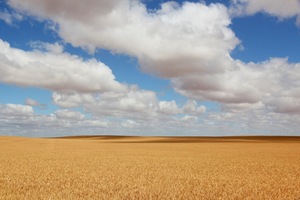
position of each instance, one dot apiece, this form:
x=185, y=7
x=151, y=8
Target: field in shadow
x=225, y=139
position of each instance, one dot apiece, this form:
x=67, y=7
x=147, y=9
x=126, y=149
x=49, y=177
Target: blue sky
x=149, y=67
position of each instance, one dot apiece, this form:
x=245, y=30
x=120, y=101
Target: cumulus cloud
x=192, y=108
x=97, y=92
x=19, y=119
x=278, y=8
x=273, y=83
x=278, y=82
x=55, y=48
x=190, y=44
x=16, y=110
x=233, y=86
x=169, y=108
x=189, y=119
x=69, y=114
x=134, y=103
x=71, y=99
x=178, y=42
x=129, y=124
x=54, y=70
x=254, y=121
x=197, y=34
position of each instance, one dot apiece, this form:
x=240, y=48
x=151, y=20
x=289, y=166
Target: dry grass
x=149, y=168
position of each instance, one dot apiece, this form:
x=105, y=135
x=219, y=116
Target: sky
x=149, y=67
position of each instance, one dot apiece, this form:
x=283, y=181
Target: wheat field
x=149, y=168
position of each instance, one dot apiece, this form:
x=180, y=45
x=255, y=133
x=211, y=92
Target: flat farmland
x=106, y=167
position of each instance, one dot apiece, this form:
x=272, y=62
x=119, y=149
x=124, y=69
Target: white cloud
x=279, y=84
x=16, y=110
x=242, y=107
x=192, y=108
x=55, y=48
x=279, y=8
x=54, y=70
x=71, y=99
x=250, y=85
x=21, y=120
x=122, y=102
x=195, y=36
x=134, y=103
x=189, y=119
x=188, y=44
x=232, y=86
x=285, y=104
x=182, y=43
x=129, y=124
x=69, y=114
x=169, y=108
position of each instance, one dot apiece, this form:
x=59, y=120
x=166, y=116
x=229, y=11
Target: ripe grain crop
x=149, y=168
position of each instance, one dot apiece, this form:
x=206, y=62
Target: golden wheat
x=143, y=168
